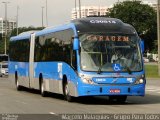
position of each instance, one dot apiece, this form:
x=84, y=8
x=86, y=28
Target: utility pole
x=76, y=8
x=99, y=10
x=17, y=18
x=42, y=16
x=6, y=26
x=158, y=30
x=79, y=8
x=46, y=13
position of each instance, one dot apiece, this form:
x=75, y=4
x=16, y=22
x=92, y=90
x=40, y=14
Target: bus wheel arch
x=66, y=92
x=41, y=85
x=18, y=87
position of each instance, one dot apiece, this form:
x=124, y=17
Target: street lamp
x=46, y=13
x=6, y=25
x=17, y=18
x=42, y=16
x=158, y=30
x=79, y=8
x=76, y=8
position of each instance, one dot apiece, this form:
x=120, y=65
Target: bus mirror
x=76, y=44
x=142, y=46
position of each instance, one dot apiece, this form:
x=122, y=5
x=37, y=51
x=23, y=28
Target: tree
x=141, y=16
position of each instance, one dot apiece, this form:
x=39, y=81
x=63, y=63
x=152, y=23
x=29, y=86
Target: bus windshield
x=4, y=66
x=3, y=57
x=100, y=52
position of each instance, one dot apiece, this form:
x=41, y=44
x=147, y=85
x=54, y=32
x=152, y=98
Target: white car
x=3, y=69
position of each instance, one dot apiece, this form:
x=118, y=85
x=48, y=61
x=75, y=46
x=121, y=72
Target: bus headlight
x=139, y=81
x=87, y=80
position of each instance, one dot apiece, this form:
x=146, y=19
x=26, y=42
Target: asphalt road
x=31, y=102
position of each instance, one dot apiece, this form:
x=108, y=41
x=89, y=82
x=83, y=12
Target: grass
x=151, y=71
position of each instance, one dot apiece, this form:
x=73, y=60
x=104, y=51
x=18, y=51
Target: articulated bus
x=92, y=56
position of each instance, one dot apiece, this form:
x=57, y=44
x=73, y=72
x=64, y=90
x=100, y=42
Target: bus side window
x=74, y=59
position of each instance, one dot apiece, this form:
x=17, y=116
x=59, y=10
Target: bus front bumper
x=106, y=90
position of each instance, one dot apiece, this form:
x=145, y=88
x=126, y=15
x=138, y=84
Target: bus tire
x=43, y=92
x=66, y=92
x=18, y=87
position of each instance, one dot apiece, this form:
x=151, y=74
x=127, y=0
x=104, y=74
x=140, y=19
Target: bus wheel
x=43, y=92
x=67, y=93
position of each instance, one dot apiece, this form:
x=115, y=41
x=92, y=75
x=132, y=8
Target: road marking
x=154, y=89
x=21, y=102
x=52, y=113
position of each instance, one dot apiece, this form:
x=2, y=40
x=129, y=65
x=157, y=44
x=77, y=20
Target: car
x=3, y=69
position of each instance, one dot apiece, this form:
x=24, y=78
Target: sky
x=59, y=11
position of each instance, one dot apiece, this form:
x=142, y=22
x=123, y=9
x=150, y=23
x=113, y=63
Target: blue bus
x=94, y=56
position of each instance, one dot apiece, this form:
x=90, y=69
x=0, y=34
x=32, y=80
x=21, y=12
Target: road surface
x=31, y=102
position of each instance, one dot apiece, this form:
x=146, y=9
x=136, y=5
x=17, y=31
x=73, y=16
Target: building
x=89, y=11
x=11, y=25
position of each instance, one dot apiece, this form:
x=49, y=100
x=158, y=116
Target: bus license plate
x=114, y=91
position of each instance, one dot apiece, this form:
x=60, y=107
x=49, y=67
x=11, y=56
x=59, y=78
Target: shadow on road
x=131, y=100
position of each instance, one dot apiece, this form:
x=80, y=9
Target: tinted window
x=19, y=50
x=54, y=47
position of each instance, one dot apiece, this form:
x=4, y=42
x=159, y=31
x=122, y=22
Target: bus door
x=31, y=61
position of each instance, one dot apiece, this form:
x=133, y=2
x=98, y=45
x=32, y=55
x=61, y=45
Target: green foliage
x=151, y=71
x=141, y=16
x=155, y=48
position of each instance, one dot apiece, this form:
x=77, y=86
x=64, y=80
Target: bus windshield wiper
x=128, y=70
x=99, y=69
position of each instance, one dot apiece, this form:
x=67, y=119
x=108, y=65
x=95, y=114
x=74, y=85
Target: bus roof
x=45, y=31
x=84, y=25
x=102, y=24
x=56, y=29
x=20, y=36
